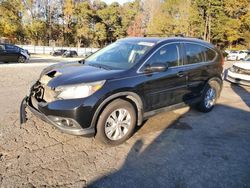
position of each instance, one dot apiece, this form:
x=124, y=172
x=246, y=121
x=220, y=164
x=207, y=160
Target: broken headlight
x=79, y=90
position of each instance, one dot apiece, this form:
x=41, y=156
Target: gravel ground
x=182, y=148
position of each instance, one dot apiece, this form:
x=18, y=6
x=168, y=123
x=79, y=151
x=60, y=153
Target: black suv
x=70, y=53
x=12, y=53
x=59, y=52
x=121, y=85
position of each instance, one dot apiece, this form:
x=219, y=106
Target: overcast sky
x=119, y=1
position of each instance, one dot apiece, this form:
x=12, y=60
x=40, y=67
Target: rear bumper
x=54, y=120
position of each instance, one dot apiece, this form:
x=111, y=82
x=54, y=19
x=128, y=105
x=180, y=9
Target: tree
x=129, y=13
x=112, y=19
x=11, y=19
x=83, y=16
x=172, y=18
x=100, y=34
x=36, y=31
x=68, y=9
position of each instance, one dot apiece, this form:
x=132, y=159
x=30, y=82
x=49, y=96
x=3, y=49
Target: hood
x=75, y=73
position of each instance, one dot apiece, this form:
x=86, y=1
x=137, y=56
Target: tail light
x=222, y=60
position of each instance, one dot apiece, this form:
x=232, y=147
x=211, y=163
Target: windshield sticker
x=146, y=43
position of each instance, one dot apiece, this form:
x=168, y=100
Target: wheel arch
x=130, y=96
x=216, y=79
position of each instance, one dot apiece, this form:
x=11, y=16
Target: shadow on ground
x=200, y=152
x=242, y=92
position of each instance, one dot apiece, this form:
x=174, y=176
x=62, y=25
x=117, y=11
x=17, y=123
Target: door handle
x=181, y=74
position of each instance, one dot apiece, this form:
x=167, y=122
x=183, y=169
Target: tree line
x=85, y=23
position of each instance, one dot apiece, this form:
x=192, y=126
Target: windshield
x=119, y=55
x=247, y=58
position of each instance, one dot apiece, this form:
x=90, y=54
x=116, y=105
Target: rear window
x=210, y=54
x=197, y=53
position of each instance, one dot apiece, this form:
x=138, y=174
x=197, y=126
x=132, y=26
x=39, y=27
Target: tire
x=209, y=97
x=119, y=133
x=21, y=59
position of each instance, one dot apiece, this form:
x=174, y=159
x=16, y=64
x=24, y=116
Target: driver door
x=167, y=88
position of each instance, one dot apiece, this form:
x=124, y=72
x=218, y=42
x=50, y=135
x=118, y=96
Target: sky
x=119, y=1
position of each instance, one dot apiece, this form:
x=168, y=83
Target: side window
x=11, y=48
x=210, y=54
x=2, y=47
x=168, y=54
x=195, y=53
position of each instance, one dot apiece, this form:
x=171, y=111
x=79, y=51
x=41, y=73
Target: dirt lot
x=183, y=148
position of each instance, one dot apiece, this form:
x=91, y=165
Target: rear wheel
x=116, y=123
x=209, y=96
x=21, y=59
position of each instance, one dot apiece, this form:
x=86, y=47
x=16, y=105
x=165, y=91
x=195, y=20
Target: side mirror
x=156, y=67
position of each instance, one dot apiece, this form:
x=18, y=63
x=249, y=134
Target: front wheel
x=209, y=96
x=116, y=123
x=21, y=59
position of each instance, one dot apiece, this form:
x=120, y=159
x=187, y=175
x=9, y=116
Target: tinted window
x=195, y=53
x=168, y=54
x=11, y=48
x=210, y=54
x=2, y=47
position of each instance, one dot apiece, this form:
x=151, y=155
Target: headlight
x=232, y=69
x=78, y=91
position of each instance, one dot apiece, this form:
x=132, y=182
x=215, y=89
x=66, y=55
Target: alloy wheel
x=210, y=97
x=117, y=124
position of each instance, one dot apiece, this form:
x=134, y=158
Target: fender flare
x=129, y=95
x=217, y=79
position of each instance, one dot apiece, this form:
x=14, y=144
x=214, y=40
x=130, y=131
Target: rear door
x=163, y=89
x=199, y=66
x=2, y=53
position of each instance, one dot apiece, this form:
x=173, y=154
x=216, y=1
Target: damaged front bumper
x=65, y=124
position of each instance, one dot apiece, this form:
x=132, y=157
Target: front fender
x=127, y=94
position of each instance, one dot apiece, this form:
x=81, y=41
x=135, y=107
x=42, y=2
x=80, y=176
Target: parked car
x=125, y=83
x=59, y=52
x=27, y=51
x=247, y=59
x=87, y=54
x=239, y=73
x=70, y=53
x=237, y=55
x=12, y=53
